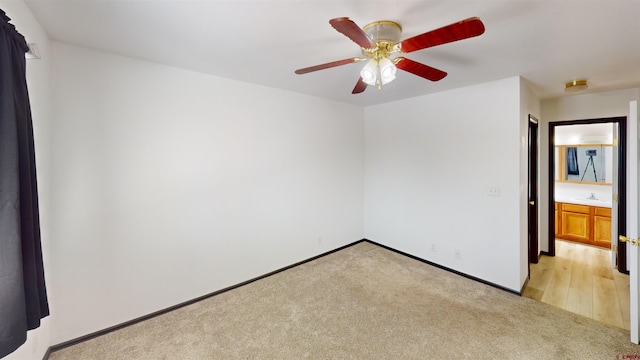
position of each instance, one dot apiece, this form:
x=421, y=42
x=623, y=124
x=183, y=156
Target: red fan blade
x=353, y=32
x=419, y=69
x=360, y=86
x=458, y=31
x=327, y=65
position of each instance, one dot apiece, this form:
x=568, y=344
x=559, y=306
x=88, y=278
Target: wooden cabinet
x=586, y=224
x=576, y=222
x=602, y=227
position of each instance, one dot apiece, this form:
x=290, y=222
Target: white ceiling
x=546, y=42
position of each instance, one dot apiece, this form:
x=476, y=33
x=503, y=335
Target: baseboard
x=98, y=333
x=446, y=268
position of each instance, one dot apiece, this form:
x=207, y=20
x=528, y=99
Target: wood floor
x=580, y=279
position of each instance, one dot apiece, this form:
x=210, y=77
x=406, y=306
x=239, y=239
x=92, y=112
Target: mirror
x=590, y=164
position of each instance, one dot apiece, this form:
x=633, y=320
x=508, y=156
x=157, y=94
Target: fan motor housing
x=384, y=30
x=386, y=34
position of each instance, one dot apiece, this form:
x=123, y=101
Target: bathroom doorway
x=572, y=275
x=582, y=191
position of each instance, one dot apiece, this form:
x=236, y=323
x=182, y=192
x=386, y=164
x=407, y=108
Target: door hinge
x=615, y=197
x=615, y=142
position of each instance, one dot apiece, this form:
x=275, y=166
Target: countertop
x=584, y=201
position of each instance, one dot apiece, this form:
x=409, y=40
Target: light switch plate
x=493, y=191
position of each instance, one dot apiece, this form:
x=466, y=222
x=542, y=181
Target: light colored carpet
x=363, y=302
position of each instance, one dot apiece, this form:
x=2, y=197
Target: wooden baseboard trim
x=446, y=268
x=98, y=333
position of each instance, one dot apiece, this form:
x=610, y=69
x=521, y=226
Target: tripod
x=590, y=161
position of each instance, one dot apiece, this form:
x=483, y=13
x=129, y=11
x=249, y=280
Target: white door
x=632, y=220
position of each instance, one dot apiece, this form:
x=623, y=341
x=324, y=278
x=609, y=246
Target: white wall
x=171, y=184
x=38, y=75
x=428, y=164
x=578, y=107
x=589, y=106
x=529, y=105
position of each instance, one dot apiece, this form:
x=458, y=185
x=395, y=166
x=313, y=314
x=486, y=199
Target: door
x=631, y=239
x=623, y=137
x=533, y=190
x=614, y=197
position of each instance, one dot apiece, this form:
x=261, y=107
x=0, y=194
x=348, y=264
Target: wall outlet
x=457, y=254
x=434, y=248
x=493, y=191
x=320, y=240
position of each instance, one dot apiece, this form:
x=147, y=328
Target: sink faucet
x=592, y=197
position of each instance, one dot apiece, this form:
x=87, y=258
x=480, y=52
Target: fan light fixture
x=380, y=70
x=381, y=39
x=576, y=85
x=369, y=71
x=387, y=71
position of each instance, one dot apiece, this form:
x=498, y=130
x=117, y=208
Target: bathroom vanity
x=583, y=169
x=584, y=222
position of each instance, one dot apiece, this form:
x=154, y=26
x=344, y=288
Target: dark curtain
x=23, y=297
x=572, y=161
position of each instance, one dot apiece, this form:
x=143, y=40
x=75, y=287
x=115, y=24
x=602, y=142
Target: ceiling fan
x=381, y=39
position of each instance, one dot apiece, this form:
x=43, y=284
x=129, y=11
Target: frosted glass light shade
x=387, y=71
x=368, y=72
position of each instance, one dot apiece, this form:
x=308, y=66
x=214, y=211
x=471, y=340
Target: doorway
x=618, y=193
x=576, y=277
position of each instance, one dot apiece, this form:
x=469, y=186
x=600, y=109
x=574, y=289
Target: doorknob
x=623, y=238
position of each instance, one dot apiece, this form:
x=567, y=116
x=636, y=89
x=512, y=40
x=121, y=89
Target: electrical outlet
x=457, y=254
x=493, y=191
x=434, y=248
x=319, y=240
